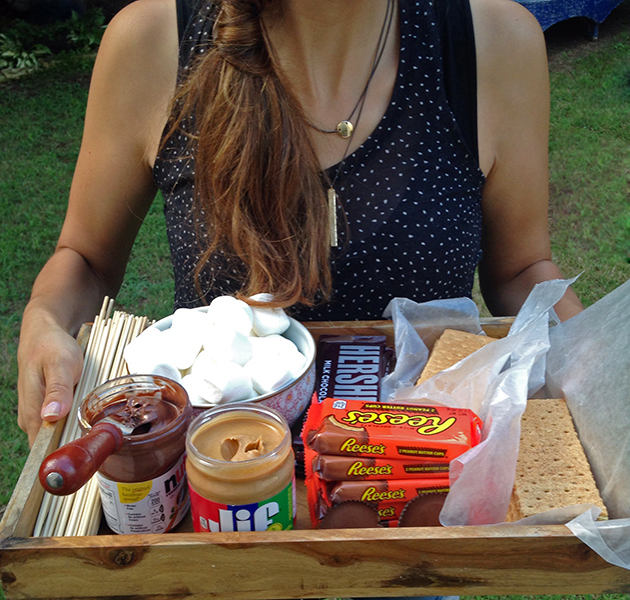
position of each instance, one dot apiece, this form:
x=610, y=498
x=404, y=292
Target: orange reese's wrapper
x=379, y=429
x=330, y=467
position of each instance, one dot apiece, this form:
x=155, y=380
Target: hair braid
x=257, y=180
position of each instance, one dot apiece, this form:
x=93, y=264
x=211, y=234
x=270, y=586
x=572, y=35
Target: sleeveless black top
x=411, y=192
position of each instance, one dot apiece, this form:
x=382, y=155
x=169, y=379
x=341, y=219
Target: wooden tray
x=302, y=563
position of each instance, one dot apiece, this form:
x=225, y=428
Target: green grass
x=41, y=120
x=590, y=164
x=40, y=130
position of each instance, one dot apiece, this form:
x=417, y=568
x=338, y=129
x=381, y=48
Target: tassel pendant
x=332, y=216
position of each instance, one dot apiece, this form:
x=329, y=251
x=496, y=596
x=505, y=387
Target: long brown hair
x=258, y=183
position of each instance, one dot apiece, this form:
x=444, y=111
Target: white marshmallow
x=227, y=309
x=230, y=378
x=165, y=370
x=202, y=363
x=200, y=391
x=189, y=383
x=181, y=345
x=188, y=319
x=295, y=362
x=221, y=342
x=268, y=321
x=272, y=345
x=263, y=297
x=141, y=352
x=268, y=374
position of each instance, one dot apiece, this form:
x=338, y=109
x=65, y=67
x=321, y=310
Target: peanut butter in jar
x=241, y=470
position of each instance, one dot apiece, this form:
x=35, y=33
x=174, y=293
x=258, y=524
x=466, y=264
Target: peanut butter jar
x=241, y=470
x=143, y=485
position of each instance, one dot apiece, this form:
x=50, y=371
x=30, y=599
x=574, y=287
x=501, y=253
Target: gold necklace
x=348, y=128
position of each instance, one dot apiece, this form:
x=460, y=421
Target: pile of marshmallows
x=230, y=353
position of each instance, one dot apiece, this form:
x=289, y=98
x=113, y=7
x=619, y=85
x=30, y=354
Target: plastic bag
x=494, y=382
x=588, y=364
x=586, y=360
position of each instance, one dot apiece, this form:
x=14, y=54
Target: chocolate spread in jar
x=141, y=412
x=143, y=485
x=240, y=468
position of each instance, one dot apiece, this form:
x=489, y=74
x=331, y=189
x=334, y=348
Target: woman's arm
x=513, y=94
x=112, y=190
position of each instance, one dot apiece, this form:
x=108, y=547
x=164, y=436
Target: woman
x=426, y=194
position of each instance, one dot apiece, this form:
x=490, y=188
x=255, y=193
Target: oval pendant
x=345, y=129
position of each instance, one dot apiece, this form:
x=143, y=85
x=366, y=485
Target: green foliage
x=84, y=33
x=23, y=45
x=15, y=57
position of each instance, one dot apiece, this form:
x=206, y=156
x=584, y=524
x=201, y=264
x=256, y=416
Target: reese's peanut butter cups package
x=348, y=468
x=388, y=498
x=383, y=430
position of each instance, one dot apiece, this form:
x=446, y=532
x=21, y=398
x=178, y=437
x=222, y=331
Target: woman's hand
x=50, y=363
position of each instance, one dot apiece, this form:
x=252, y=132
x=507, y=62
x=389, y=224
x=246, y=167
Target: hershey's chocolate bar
x=347, y=363
x=351, y=366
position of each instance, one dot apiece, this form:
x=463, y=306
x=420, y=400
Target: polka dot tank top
x=411, y=194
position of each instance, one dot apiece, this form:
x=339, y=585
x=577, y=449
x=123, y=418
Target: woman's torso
x=411, y=194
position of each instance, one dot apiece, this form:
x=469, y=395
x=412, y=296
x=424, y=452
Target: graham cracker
x=451, y=347
x=552, y=470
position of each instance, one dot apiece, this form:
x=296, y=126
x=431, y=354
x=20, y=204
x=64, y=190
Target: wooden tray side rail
x=309, y=564
x=293, y=564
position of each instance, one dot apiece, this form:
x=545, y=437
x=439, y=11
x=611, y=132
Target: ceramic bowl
x=291, y=399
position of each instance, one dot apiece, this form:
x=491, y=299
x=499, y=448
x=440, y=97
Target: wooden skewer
x=118, y=364
x=80, y=513
x=94, y=520
x=69, y=428
x=75, y=513
x=43, y=513
x=91, y=493
x=48, y=527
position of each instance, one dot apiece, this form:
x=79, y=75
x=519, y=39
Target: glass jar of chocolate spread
x=143, y=485
x=241, y=470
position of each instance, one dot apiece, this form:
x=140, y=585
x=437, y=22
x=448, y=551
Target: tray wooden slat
x=313, y=564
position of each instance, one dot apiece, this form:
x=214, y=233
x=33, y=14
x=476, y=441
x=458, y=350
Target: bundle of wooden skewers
x=80, y=513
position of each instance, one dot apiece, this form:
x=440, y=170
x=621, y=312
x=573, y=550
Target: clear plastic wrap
x=588, y=364
x=586, y=360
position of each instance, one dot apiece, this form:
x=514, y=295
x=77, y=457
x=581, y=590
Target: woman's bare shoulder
x=142, y=34
x=143, y=21
x=135, y=75
x=506, y=33
x=512, y=76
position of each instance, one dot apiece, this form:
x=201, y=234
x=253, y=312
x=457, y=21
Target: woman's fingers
x=48, y=374
x=59, y=391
